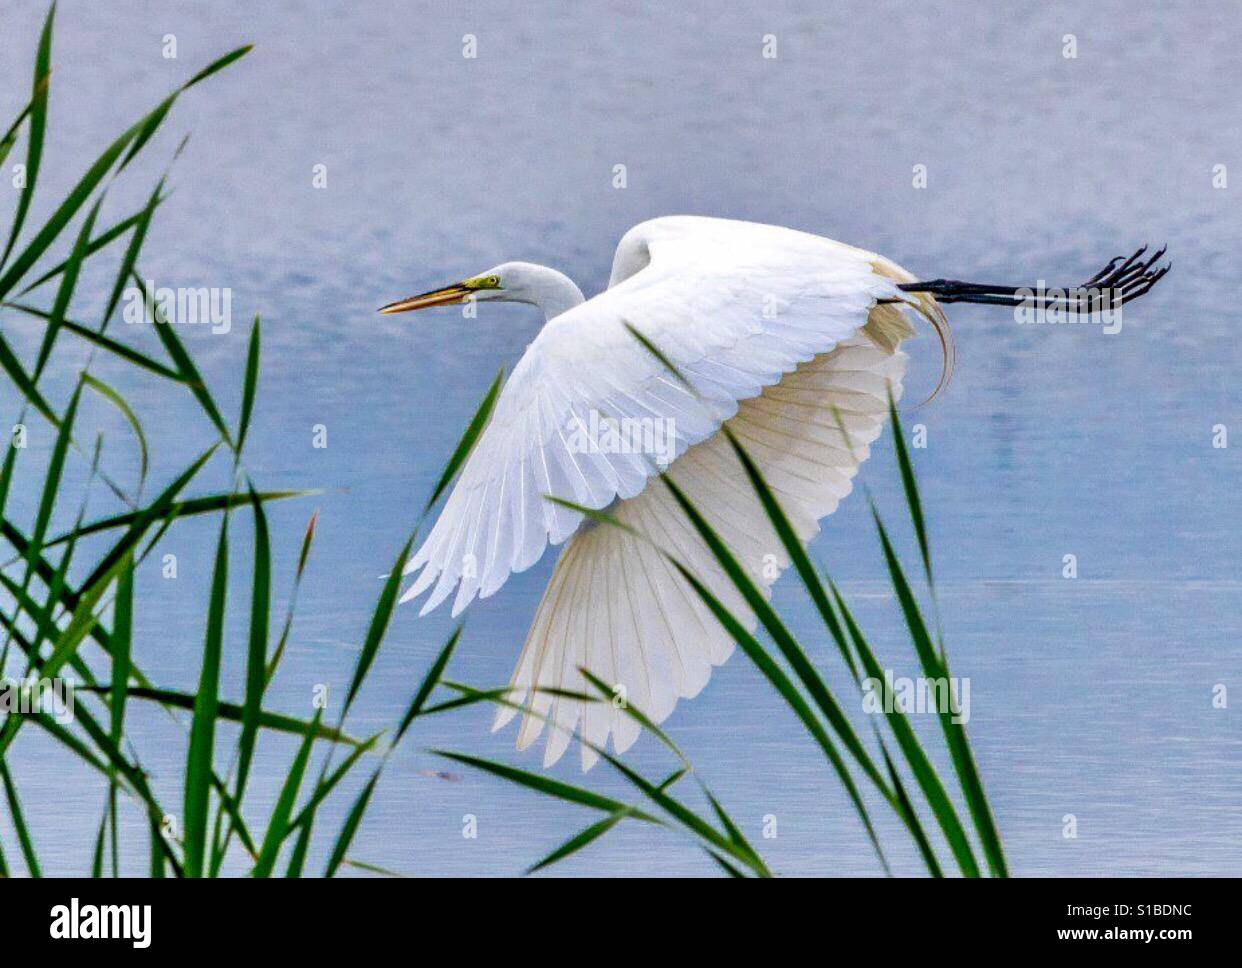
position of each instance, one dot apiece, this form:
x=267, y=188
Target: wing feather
x=734, y=306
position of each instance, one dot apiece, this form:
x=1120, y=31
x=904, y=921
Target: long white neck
x=552, y=291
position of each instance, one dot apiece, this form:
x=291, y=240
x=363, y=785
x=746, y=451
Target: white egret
x=790, y=339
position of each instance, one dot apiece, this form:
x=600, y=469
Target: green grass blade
x=297, y=857
x=38, y=126
x=955, y=733
x=10, y=137
x=78, y=197
x=186, y=369
x=118, y=401
x=583, y=838
x=430, y=681
x=928, y=779
x=101, y=241
x=689, y=820
x=70, y=742
x=278, y=826
x=795, y=550
x=250, y=386
x=699, y=828
x=910, y=486
x=350, y=827
x=466, y=444
x=103, y=342
x=725, y=865
x=19, y=822
x=912, y=821
x=152, y=122
x=329, y=782
x=217, y=65
x=13, y=367
x=6, y=472
x=64, y=293
x=735, y=834
x=157, y=855
x=235, y=713
x=307, y=539
x=655, y=351
x=793, y=654
x=379, y=625
x=132, y=774
x=97, y=859
x=234, y=815
x=633, y=712
x=256, y=651
x=55, y=469
x=160, y=508
x=47, y=503
x=545, y=785
x=777, y=678
x=198, y=769
x=122, y=642
x=132, y=252
x=179, y=509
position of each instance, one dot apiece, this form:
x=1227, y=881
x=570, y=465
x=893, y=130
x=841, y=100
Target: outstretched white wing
x=733, y=305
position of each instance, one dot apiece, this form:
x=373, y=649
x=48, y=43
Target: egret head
x=522, y=282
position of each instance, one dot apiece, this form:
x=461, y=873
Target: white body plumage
x=791, y=339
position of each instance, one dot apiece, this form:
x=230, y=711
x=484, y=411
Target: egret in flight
x=790, y=340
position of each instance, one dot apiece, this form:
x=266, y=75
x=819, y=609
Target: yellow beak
x=437, y=297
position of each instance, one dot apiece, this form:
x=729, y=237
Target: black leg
x=1119, y=282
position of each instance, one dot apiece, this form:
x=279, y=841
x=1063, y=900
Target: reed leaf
x=157, y=510
x=350, y=827
x=249, y=386
x=19, y=822
x=64, y=292
x=912, y=822
x=934, y=667
x=100, y=241
x=584, y=838
x=103, y=342
x=329, y=782
x=466, y=444
x=379, y=625
x=118, y=401
x=234, y=713
x=198, y=768
x=924, y=773
x=428, y=685
x=794, y=548
x=793, y=654
x=25, y=385
x=38, y=126
x=132, y=252
x=308, y=538
x=278, y=826
x=546, y=785
x=256, y=651
x=188, y=508
x=122, y=642
x=185, y=366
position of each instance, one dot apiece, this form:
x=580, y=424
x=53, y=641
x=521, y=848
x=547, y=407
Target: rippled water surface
x=1090, y=697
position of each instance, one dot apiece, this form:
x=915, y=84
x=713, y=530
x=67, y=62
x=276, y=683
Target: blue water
x=1091, y=697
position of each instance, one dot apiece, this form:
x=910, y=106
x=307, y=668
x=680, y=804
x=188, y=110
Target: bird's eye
x=493, y=280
